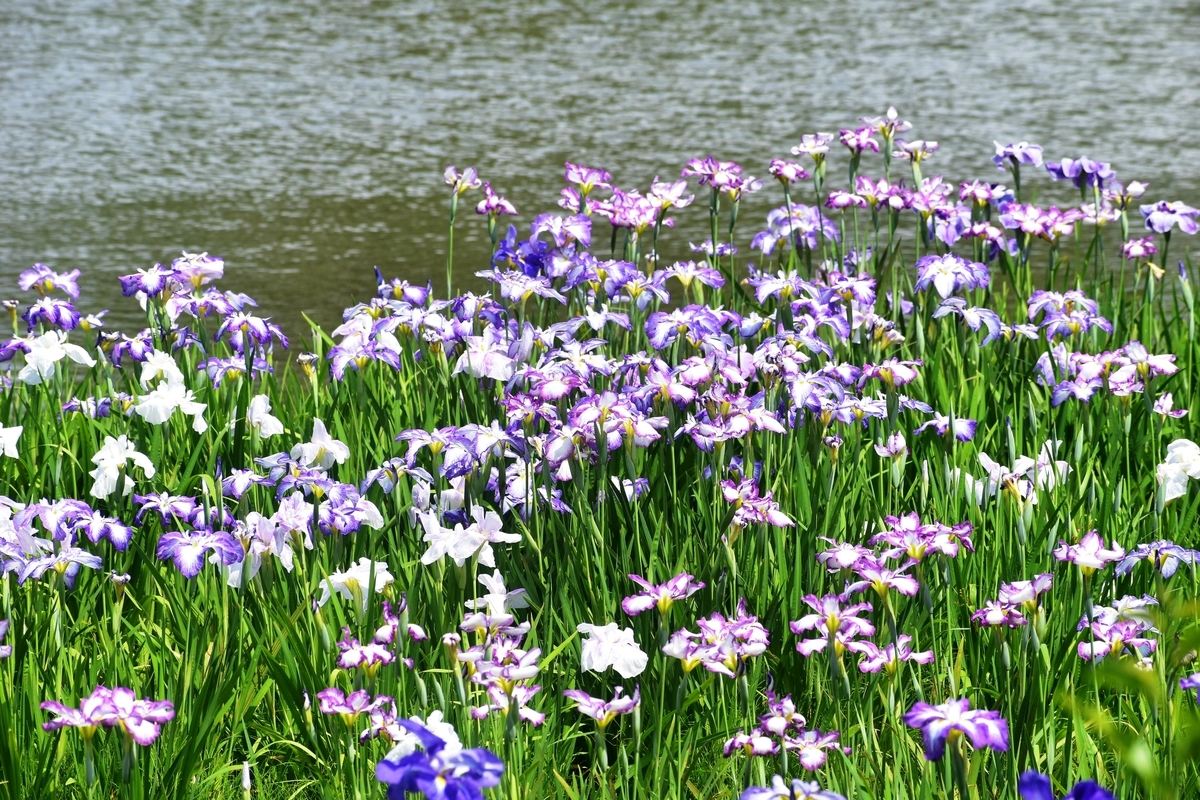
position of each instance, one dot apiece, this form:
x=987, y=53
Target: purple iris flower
x=54, y=312
x=45, y=280
x=96, y=526
x=964, y=429
x=660, y=596
x=309, y=480
x=982, y=193
x=688, y=271
x=66, y=562
x=975, y=317
x=517, y=287
x=1016, y=154
x=810, y=747
x=787, y=172
x=387, y=475
x=796, y=790
x=1163, y=216
x=832, y=615
x=436, y=774
x=1033, y=785
x=889, y=658
x=714, y=173
x=954, y=719
x=875, y=576
x=187, y=549
x=1083, y=172
x=1164, y=556
x=6, y=649
x=951, y=224
x=694, y=322
x=356, y=355
x=398, y=289
x=89, y=406
x=723, y=249
x=239, y=481
x=10, y=348
x=1113, y=639
x=57, y=517
x=915, y=151
x=1089, y=554
x=346, y=511
x=94, y=711
x=137, y=347
x=950, y=273
x=1080, y=387
x=218, y=369
x=1026, y=593
x=892, y=372
x=151, y=282
x=492, y=205
x=754, y=743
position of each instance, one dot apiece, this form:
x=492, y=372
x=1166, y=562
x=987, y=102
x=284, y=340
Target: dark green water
x=304, y=141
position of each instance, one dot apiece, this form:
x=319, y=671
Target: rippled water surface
x=304, y=141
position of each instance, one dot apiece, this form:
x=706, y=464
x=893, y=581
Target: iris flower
x=437, y=772
x=952, y=720
x=611, y=646
x=1033, y=785
x=660, y=596
x=796, y=790
x=604, y=712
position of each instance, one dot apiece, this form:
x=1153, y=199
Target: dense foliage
x=898, y=506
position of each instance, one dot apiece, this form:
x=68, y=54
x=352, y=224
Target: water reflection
x=304, y=143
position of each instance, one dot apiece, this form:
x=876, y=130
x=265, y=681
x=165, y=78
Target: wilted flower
x=1163, y=216
x=796, y=790
x=1191, y=682
x=996, y=614
x=187, y=549
x=437, y=771
x=1164, y=556
x=355, y=583
x=43, y=352
x=660, y=596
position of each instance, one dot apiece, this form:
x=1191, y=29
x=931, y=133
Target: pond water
x=304, y=141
